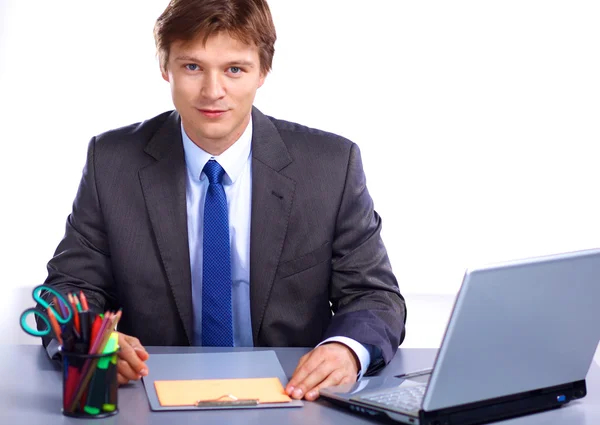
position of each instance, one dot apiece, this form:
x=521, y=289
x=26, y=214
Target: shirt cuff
x=364, y=357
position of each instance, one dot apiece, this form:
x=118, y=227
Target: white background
x=478, y=121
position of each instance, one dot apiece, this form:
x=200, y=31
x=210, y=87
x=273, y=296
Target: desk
x=31, y=394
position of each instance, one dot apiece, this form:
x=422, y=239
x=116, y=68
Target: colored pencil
x=84, y=302
x=75, y=315
x=54, y=325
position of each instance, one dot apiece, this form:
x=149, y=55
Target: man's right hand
x=132, y=356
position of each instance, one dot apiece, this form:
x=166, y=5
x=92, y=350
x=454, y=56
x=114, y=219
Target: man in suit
x=216, y=225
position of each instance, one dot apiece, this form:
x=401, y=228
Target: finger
x=134, y=342
x=313, y=378
x=289, y=388
x=142, y=353
x=121, y=379
x=128, y=354
x=337, y=377
x=127, y=371
x=311, y=362
x=138, y=347
x=302, y=360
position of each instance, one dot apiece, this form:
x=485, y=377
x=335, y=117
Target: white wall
x=478, y=121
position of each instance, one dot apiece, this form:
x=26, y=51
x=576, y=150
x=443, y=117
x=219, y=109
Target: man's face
x=213, y=88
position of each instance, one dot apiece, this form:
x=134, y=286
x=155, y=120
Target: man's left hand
x=327, y=365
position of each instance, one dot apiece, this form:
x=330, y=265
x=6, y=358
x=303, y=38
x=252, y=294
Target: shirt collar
x=232, y=160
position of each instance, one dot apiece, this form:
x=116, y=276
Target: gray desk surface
x=30, y=393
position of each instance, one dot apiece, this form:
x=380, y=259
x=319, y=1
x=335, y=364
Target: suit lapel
x=272, y=197
x=164, y=185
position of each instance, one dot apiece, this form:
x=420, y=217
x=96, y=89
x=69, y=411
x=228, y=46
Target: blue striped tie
x=217, y=323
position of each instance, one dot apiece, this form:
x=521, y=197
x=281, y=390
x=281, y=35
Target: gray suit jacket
x=318, y=266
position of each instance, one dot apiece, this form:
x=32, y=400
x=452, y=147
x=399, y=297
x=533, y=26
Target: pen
x=74, y=364
x=415, y=373
x=96, y=325
x=71, y=378
x=86, y=328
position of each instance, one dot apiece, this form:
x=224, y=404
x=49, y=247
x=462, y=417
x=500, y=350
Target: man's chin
x=213, y=136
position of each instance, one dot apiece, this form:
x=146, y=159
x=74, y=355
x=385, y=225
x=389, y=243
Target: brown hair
x=248, y=21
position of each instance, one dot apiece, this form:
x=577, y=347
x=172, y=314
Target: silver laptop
x=521, y=338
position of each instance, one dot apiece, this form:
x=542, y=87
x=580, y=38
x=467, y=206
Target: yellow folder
x=190, y=392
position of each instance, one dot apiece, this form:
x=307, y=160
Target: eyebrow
x=186, y=58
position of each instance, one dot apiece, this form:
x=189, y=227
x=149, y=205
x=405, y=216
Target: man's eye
x=235, y=70
x=192, y=67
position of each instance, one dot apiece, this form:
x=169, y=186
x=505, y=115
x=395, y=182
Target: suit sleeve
x=82, y=259
x=364, y=292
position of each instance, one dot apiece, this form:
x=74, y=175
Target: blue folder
x=236, y=365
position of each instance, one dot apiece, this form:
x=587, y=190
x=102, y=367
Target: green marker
x=111, y=375
x=98, y=387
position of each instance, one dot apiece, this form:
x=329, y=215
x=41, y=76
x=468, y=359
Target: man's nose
x=212, y=87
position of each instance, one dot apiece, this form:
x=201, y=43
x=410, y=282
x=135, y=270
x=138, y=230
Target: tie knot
x=214, y=172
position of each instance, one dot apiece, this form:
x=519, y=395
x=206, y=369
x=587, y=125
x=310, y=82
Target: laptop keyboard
x=407, y=399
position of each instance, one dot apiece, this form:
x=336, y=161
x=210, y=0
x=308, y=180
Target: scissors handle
x=35, y=331
x=41, y=301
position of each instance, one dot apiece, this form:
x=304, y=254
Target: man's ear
x=261, y=81
x=165, y=74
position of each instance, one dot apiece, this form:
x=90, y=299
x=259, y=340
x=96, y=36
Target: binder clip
x=227, y=400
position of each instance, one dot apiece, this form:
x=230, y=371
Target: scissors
x=43, y=315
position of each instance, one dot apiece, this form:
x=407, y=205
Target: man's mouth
x=212, y=113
